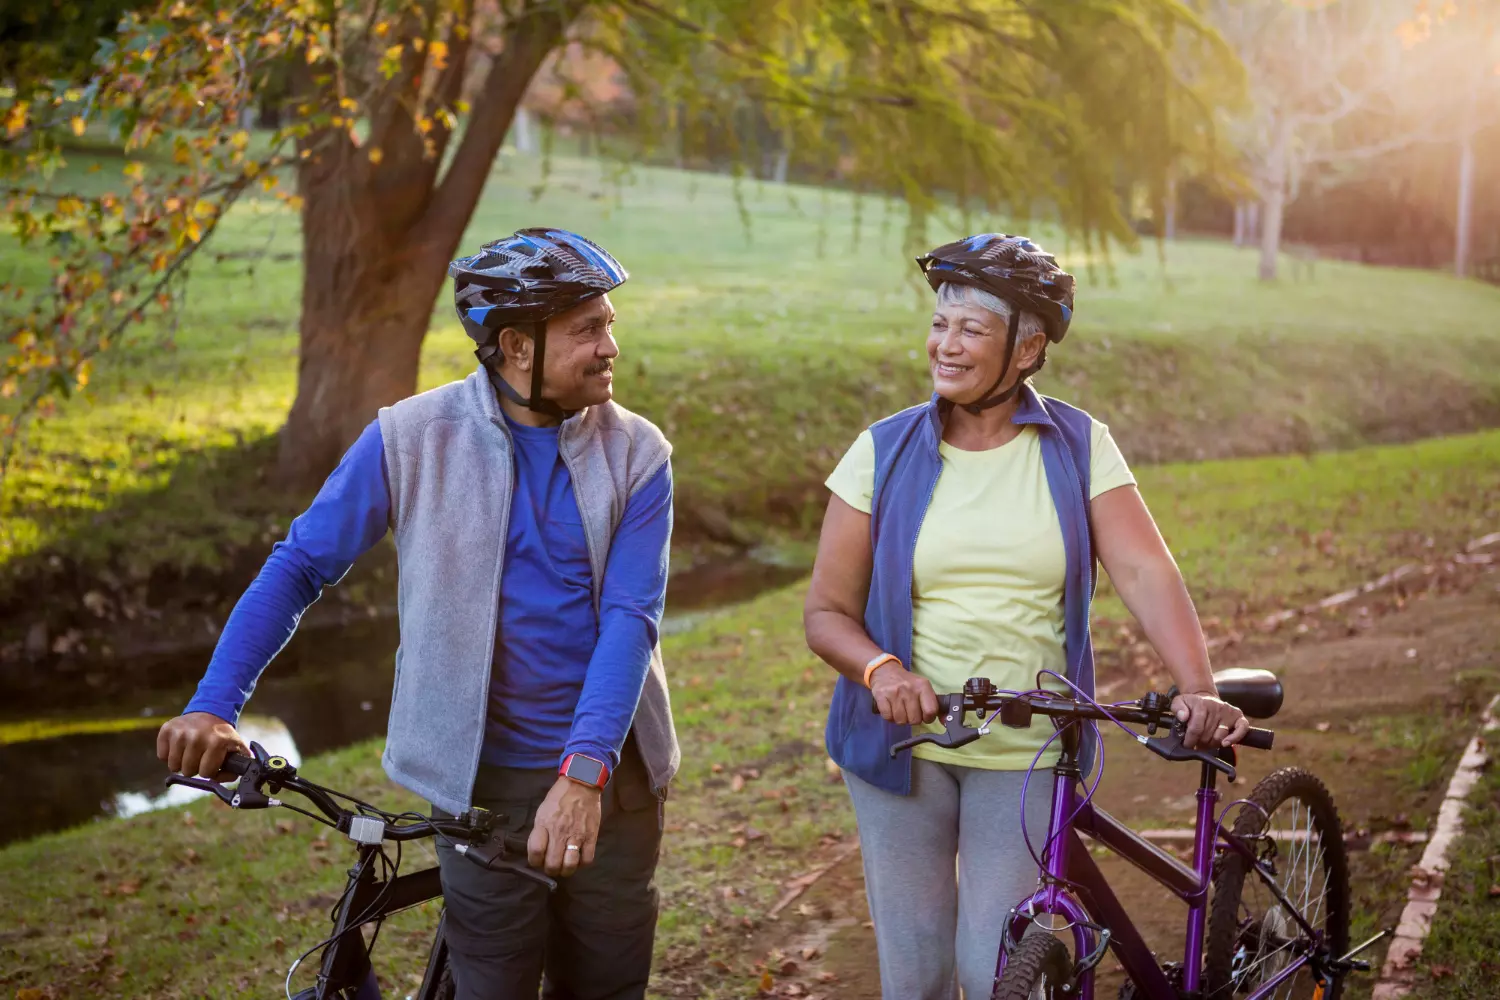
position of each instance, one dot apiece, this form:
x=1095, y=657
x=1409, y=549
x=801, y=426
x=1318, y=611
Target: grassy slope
x=1459, y=957
x=749, y=700
x=761, y=352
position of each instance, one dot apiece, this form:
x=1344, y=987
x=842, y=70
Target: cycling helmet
x=1016, y=270
x=521, y=281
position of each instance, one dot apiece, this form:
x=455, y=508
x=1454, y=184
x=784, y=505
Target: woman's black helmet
x=1016, y=270
x=521, y=281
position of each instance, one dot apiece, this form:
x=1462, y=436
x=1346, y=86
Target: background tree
x=1325, y=83
x=397, y=109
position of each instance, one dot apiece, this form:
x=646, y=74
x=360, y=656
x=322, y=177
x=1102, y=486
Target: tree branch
x=538, y=30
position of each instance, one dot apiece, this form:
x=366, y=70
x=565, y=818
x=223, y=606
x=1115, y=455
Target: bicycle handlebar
x=1154, y=710
x=473, y=831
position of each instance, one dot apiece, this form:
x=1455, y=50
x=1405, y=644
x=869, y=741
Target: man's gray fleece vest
x=449, y=463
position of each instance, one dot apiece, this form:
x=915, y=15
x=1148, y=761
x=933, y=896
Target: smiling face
x=579, y=361
x=966, y=349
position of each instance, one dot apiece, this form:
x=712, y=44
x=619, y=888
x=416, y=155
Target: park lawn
x=761, y=348
x=200, y=899
x=1458, y=959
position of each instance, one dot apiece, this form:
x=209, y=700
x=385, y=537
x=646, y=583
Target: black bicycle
x=375, y=889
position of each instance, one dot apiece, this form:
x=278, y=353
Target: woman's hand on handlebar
x=1210, y=722
x=902, y=697
x=197, y=743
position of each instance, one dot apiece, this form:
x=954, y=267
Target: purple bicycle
x=1268, y=899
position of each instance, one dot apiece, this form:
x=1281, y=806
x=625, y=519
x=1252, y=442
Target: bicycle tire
x=1040, y=969
x=1238, y=933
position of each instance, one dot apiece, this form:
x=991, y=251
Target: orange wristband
x=879, y=662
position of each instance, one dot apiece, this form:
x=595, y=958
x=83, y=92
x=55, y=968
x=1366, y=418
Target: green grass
x=1459, y=959
x=104, y=910
x=761, y=351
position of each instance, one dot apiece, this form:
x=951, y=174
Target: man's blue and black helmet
x=1011, y=267
x=521, y=281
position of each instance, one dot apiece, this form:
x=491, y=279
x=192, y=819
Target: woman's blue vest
x=907, y=465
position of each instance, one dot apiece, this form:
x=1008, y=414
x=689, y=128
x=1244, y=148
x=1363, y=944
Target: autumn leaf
x=767, y=984
x=737, y=783
x=437, y=52
x=376, y=155
x=78, y=124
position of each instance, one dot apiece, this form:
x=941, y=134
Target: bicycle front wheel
x=1040, y=969
x=1252, y=936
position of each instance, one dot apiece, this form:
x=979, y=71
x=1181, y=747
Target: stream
x=327, y=689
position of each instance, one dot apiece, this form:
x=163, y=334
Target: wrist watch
x=585, y=770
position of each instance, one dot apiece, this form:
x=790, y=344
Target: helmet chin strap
x=492, y=358
x=990, y=399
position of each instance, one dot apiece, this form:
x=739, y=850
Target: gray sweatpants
x=936, y=933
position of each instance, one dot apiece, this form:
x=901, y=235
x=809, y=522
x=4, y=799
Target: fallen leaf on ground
x=766, y=982
x=789, y=968
x=129, y=887
x=1323, y=727
x=737, y=783
x=1442, y=971
x=808, y=954
x=717, y=768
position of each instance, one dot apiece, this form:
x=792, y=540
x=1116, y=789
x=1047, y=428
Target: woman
x=958, y=544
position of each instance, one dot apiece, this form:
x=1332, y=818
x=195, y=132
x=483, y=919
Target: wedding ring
x=571, y=847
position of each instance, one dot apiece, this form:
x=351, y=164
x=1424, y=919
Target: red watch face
x=585, y=769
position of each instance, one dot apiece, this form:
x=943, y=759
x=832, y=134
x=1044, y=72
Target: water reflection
x=269, y=733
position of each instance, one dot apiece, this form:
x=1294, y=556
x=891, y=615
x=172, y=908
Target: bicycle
x=369, y=897
x=1292, y=938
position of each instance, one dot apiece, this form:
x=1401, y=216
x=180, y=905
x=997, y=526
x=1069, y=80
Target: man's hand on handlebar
x=1210, y=722
x=902, y=697
x=197, y=743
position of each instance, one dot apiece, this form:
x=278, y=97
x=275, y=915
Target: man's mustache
x=599, y=367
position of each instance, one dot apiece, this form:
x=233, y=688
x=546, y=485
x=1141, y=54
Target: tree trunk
x=1464, y=235
x=1170, y=225
x=1273, y=203
x=376, y=239
x=1240, y=216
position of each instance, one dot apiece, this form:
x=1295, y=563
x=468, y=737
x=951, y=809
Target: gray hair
x=952, y=294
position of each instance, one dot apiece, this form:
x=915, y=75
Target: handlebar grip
x=236, y=763
x=1259, y=739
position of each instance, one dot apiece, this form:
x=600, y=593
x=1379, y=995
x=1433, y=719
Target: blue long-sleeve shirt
x=564, y=679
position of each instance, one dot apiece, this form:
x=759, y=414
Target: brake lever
x=1169, y=747
x=491, y=856
x=955, y=734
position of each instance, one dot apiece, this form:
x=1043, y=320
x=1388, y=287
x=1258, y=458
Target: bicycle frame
x=1071, y=815
x=346, y=960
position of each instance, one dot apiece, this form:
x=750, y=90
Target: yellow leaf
x=194, y=231
x=78, y=124
x=382, y=29
x=16, y=118
x=376, y=155
x=348, y=104
x=84, y=371
x=252, y=169
x=766, y=982
x=135, y=170
x=294, y=203
x=69, y=206
x=438, y=53
x=268, y=182
x=240, y=139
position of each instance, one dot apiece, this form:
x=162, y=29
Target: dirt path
x=1381, y=716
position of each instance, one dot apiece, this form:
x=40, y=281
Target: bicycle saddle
x=1257, y=693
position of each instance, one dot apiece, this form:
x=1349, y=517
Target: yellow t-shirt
x=987, y=584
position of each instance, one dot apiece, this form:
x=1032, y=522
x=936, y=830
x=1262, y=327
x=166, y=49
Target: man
x=531, y=516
